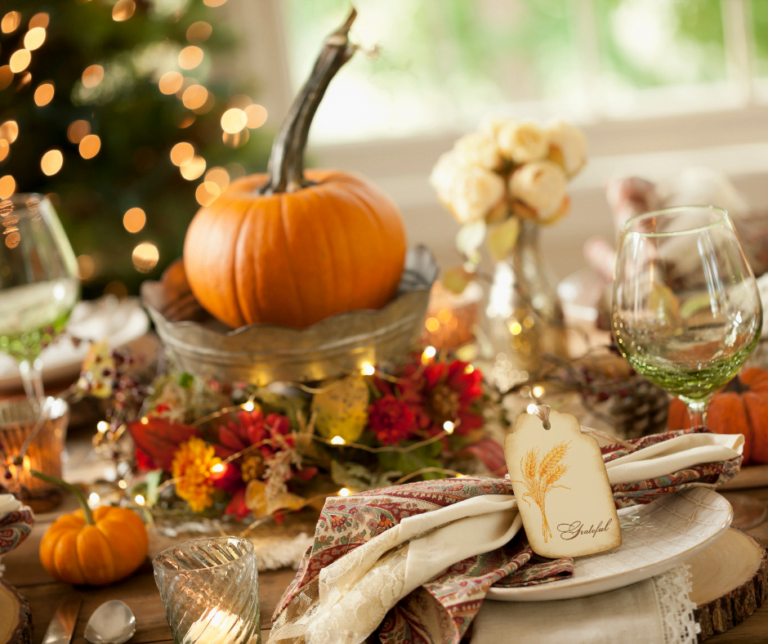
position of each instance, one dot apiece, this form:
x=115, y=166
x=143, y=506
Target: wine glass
x=686, y=309
x=38, y=284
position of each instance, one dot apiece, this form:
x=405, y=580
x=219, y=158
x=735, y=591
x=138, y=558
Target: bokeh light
x=20, y=60
x=207, y=192
x=214, y=3
x=5, y=148
x=78, y=130
x=85, y=267
x=123, y=10
x=90, y=146
x=6, y=76
x=194, y=96
x=182, y=153
x=25, y=80
x=235, y=140
x=7, y=186
x=116, y=288
x=44, y=94
x=51, y=162
x=39, y=20
x=210, y=101
x=186, y=121
x=257, y=116
x=233, y=120
x=10, y=22
x=92, y=76
x=199, y=32
x=190, y=57
x=9, y=131
x=170, y=82
x=134, y=220
x=219, y=176
x=193, y=169
x=145, y=257
x=34, y=38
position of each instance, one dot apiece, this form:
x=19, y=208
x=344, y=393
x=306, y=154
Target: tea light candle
x=215, y=626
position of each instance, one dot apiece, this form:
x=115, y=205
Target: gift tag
x=561, y=485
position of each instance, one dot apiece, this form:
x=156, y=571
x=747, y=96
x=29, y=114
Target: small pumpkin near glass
x=292, y=247
x=92, y=547
x=741, y=407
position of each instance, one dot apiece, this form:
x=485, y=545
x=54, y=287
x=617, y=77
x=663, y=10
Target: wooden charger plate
x=15, y=623
x=729, y=582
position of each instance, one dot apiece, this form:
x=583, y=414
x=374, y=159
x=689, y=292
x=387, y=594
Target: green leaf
x=409, y=462
x=186, y=380
x=456, y=279
x=153, y=479
x=469, y=239
x=503, y=237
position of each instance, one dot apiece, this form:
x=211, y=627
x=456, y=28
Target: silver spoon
x=111, y=623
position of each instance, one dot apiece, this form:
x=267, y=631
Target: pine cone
x=639, y=408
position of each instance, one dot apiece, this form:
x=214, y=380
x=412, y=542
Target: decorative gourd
x=94, y=548
x=740, y=408
x=293, y=247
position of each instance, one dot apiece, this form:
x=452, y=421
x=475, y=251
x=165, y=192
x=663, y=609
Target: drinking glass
x=38, y=284
x=686, y=309
x=210, y=591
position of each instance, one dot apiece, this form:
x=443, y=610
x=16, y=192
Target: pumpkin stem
x=286, y=162
x=71, y=488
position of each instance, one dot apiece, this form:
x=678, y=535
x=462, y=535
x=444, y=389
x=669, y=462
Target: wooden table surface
x=24, y=571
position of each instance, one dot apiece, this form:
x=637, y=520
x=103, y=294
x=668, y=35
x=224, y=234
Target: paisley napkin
x=16, y=521
x=413, y=563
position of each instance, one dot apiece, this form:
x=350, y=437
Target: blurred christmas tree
x=116, y=109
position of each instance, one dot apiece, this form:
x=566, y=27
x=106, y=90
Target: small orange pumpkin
x=740, y=408
x=94, y=548
x=290, y=247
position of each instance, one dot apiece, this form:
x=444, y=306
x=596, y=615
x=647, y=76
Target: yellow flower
x=192, y=465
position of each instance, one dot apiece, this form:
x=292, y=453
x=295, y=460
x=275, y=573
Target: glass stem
x=32, y=377
x=698, y=413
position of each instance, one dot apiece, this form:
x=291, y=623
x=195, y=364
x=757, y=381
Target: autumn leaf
x=503, y=237
x=456, y=279
x=159, y=438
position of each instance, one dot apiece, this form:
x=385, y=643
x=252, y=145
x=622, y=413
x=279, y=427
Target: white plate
x=118, y=322
x=656, y=537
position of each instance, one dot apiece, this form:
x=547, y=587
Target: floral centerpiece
x=214, y=450
x=501, y=183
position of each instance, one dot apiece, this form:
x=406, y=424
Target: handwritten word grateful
x=570, y=531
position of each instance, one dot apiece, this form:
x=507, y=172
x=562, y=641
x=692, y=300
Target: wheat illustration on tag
x=541, y=478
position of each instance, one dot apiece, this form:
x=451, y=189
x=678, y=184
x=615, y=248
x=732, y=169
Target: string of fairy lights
x=105, y=436
x=241, y=116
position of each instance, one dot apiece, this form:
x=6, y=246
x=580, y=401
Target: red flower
x=449, y=393
x=143, y=462
x=237, y=506
x=391, y=420
x=251, y=428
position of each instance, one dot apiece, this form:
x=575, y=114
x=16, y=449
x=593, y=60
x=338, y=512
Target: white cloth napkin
x=356, y=591
x=654, y=611
x=8, y=503
x=674, y=455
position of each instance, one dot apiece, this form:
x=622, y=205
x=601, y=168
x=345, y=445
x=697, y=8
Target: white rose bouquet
x=505, y=171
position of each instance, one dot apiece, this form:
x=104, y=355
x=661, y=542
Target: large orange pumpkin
x=740, y=408
x=291, y=247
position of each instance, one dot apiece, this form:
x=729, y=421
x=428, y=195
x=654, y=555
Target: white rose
x=476, y=194
x=571, y=146
x=522, y=142
x=478, y=148
x=541, y=186
x=444, y=176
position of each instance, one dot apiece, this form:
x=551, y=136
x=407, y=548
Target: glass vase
x=524, y=316
x=210, y=591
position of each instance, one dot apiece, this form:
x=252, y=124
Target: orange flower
x=192, y=465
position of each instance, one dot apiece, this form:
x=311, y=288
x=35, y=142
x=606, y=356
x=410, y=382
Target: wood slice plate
x=730, y=582
x=15, y=621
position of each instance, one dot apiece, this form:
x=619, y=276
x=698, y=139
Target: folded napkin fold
x=414, y=562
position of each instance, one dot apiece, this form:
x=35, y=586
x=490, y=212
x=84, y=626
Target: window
x=444, y=64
